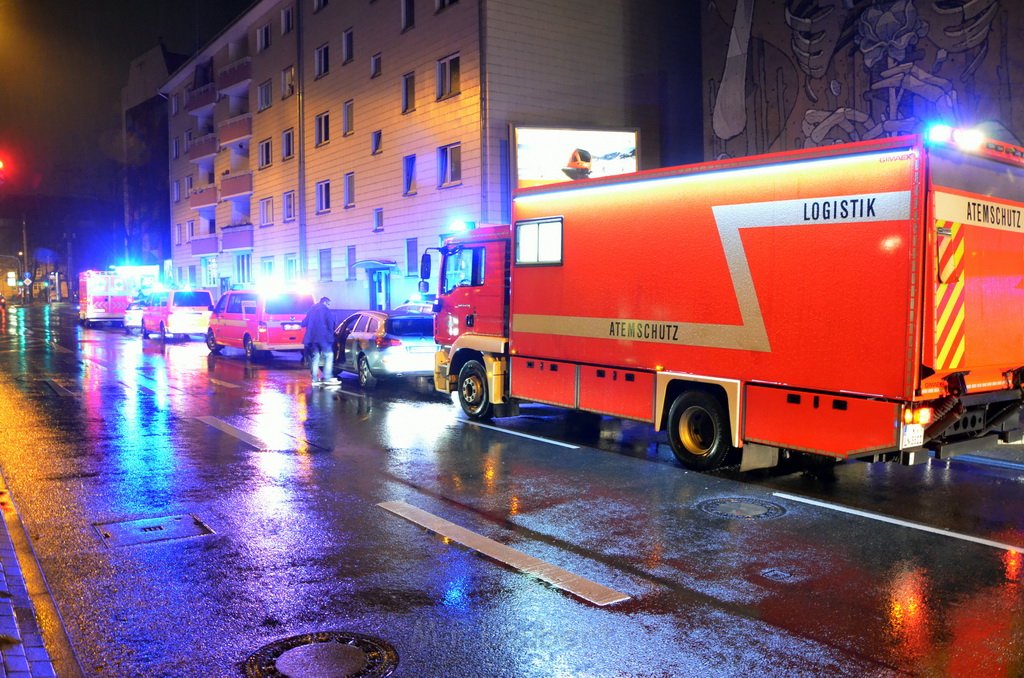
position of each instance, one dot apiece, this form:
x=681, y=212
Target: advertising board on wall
x=547, y=155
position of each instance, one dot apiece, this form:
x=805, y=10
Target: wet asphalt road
x=97, y=428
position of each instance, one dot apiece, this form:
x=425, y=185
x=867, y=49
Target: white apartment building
x=328, y=143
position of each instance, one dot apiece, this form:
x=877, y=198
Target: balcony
x=202, y=148
x=234, y=79
x=203, y=197
x=238, y=128
x=236, y=186
x=200, y=101
x=238, y=237
x=205, y=245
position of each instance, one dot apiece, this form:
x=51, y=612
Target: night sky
x=63, y=64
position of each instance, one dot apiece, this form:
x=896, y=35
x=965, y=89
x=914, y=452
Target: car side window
x=360, y=324
x=222, y=304
x=372, y=324
x=235, y=303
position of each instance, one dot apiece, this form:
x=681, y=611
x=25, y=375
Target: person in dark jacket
x=319, y=341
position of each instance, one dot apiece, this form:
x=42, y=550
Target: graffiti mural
x=785, y=74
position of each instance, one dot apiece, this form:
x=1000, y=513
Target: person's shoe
x=333, y=381
x=318, y=382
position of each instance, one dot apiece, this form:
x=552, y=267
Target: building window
x=262, y=38
x=287, y=143
x=190, y=229
x=267, y=268
x=539, y=242
x=291, y=267
x=348, y=46
x=179, y=232
x=375, y=142
x=176, y=191
x=322, y=128
x=192, y=275
x=211, y=226
x=188, y=185
x=287, y=20
x=267, y=212
x=350, y=261
x=243, y=268
x=287, y=82
x=375, y=65
x=175, y=104
x=408, y=92
x=319, y=5
x=448, y=76
x=323, y=196
x=208, y=269
x=408, y=14
x=188, y=139
x=348, y=113
x=378, y=219
x=412, y=261
x=266, y=158
x=288, y=207
x=449, y=165
x=263, y=95
x=325, y=265
x=175, y=148
x=409, y=175
x=350, y=189
x=441, y=4
x=321, y=61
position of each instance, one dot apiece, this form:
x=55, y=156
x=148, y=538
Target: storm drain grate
x=748, y=509
x=324, y=653
x=146, y=530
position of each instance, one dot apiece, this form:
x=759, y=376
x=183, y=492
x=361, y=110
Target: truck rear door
x=977, y=283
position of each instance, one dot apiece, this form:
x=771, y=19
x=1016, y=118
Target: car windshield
x=411, y=326
x=289, y=304
x=192, y=299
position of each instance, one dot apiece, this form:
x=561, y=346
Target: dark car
x=376, y=344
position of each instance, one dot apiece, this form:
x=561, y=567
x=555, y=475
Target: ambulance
x=859, y=301
x=103, y=297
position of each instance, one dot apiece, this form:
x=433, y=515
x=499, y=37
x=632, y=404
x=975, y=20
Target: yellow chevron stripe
x=958, y=322
x=958, y=291
x=959, y=355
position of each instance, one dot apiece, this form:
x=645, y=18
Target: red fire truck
x=864, y=300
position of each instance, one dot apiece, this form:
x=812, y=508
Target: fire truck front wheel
x=473, y=396
x=699, y=431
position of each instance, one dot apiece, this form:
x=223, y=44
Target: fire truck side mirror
x=424, y=269
x=423, y=287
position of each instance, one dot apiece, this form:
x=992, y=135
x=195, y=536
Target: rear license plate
x=291, y=326
x=913, y=436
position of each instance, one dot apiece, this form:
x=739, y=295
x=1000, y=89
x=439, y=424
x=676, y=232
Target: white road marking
x=902, y=523
x=591, y=591
x=225, y=427
x=226, y=384
x=60, y=348
x=521, y=435
x=60, y=390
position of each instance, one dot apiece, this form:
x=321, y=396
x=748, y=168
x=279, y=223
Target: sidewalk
x=21, y=643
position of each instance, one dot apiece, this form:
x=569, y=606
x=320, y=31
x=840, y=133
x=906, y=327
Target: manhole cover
x=748, y=509
x=128, y=532
x=325, y=653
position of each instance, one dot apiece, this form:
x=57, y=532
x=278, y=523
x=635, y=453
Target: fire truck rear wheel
x=250, y=350
x=698, y=429
x=473, y=396
x=211, y=342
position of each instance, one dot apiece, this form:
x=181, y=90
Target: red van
x=177, y=312
x=258, y=322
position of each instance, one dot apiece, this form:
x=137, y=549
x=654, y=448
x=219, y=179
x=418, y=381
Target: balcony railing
x=203, y=147
x=201, y=99
x=203, y=197
x=234, y=129
x=205, y=245
x=235, y=77
x=236, y=186
x=237, y=237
